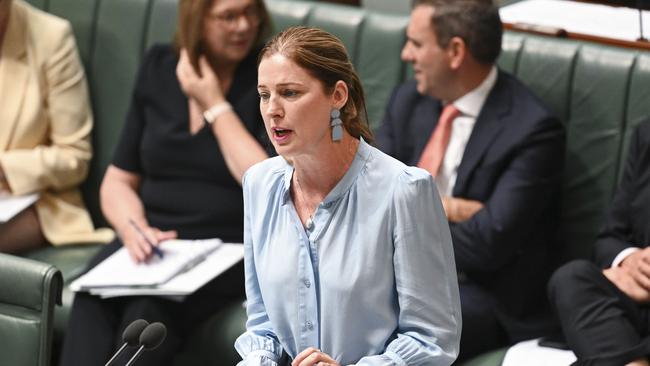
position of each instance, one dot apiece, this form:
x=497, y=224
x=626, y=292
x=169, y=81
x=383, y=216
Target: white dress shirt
x=470, y=106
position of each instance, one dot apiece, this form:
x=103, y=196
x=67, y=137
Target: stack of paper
x=530, y=353
x=186, y=266
x=10, y=206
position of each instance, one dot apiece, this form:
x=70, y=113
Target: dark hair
x=324, y=57
x=476, y=22
x=189, y=27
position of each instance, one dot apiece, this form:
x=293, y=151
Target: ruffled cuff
x=258, y=350
x=259, y=358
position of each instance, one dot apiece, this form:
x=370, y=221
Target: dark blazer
x=513, y=164
x=627, y=222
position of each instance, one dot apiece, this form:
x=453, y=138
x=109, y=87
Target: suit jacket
x=626, y=223
x=512, y=163
x=46, y=121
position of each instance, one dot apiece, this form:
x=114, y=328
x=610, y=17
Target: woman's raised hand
x=204, y=88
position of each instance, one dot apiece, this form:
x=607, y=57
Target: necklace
x=310, y=220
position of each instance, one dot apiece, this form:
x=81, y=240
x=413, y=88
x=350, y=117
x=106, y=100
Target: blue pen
x=155, y=249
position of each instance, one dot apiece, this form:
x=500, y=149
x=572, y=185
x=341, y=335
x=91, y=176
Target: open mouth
x=281, y=134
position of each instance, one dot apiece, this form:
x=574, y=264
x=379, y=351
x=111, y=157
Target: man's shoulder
x=407, y=103
x=523, y=99
x=518, y=108
x=406, y=94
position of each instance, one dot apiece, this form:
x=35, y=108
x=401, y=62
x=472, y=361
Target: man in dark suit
x=603, y=306
x=497, y=155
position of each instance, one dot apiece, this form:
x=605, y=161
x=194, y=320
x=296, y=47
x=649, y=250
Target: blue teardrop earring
x=336, y=124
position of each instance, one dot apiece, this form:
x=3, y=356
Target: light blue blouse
x=372, y=282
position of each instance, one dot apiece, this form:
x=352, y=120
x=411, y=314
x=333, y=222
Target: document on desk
x=220, y=260
x=11, y=206
x=530, y=353
x=578, y=17
x=119, y=270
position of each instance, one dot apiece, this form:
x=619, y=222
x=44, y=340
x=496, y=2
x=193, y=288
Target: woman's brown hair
x=189, y=27
x=324, y=57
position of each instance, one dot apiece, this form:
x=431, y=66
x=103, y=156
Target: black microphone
x=131, y=337
x=152, y=336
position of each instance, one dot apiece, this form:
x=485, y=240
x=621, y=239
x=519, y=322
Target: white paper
x=530, y=353
x=10, y=206
x=578, y=17
x=119, y=270
x=186, y=283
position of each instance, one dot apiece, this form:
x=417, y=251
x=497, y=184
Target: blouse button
x=307, y=283
x=310, y=326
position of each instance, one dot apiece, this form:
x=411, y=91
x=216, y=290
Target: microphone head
x=131, y=335
x=153, y=335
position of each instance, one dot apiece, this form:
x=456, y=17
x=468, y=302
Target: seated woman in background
x=192, y=130
x=45, y=124
x=348, y=255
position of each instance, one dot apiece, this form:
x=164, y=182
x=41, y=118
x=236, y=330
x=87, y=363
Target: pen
x=155, y=249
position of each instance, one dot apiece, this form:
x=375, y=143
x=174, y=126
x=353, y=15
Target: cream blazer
x=45, y=122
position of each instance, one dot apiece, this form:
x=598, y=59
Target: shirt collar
x=471, y=103
x=358, y=163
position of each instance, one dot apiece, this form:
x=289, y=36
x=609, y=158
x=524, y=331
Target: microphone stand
x=116, y=354
x=135, y=356
x=640, y=8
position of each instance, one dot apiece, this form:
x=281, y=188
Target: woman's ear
x=340, y=94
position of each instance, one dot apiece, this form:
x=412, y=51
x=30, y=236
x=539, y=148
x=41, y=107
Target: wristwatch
x=215, y=111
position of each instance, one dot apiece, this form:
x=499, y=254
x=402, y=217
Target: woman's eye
x=290, y=93
x=264, y=96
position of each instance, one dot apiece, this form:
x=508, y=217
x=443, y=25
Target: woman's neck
x=225, y=72
x=318, y=174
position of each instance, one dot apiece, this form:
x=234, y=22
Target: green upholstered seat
x=492, y=358
x=213, y=342
x=71, y=261
x=29, y=291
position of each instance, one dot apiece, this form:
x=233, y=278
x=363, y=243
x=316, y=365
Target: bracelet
x=215, y=111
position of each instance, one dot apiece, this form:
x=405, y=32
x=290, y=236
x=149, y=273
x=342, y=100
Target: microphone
x=152, y=336
x=131, y=337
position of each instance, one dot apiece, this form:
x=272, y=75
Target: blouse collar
x=361, y=157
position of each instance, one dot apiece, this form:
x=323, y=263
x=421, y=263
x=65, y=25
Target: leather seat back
x=29, y=290
x=598, y=91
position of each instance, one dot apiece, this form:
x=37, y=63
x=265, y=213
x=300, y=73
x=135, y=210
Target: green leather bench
x=28, y=292
x=600, y=92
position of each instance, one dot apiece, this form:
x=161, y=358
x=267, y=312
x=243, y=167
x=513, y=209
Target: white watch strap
x=215, y=111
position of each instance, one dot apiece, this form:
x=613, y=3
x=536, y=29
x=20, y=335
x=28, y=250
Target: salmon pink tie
x=434, y=152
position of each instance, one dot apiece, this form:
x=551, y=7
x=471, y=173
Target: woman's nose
x=242, y=24
x=273, y=108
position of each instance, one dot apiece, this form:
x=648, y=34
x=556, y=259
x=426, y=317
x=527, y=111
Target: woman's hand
x=205, y=88
x=137, y=238
x=313, y=357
